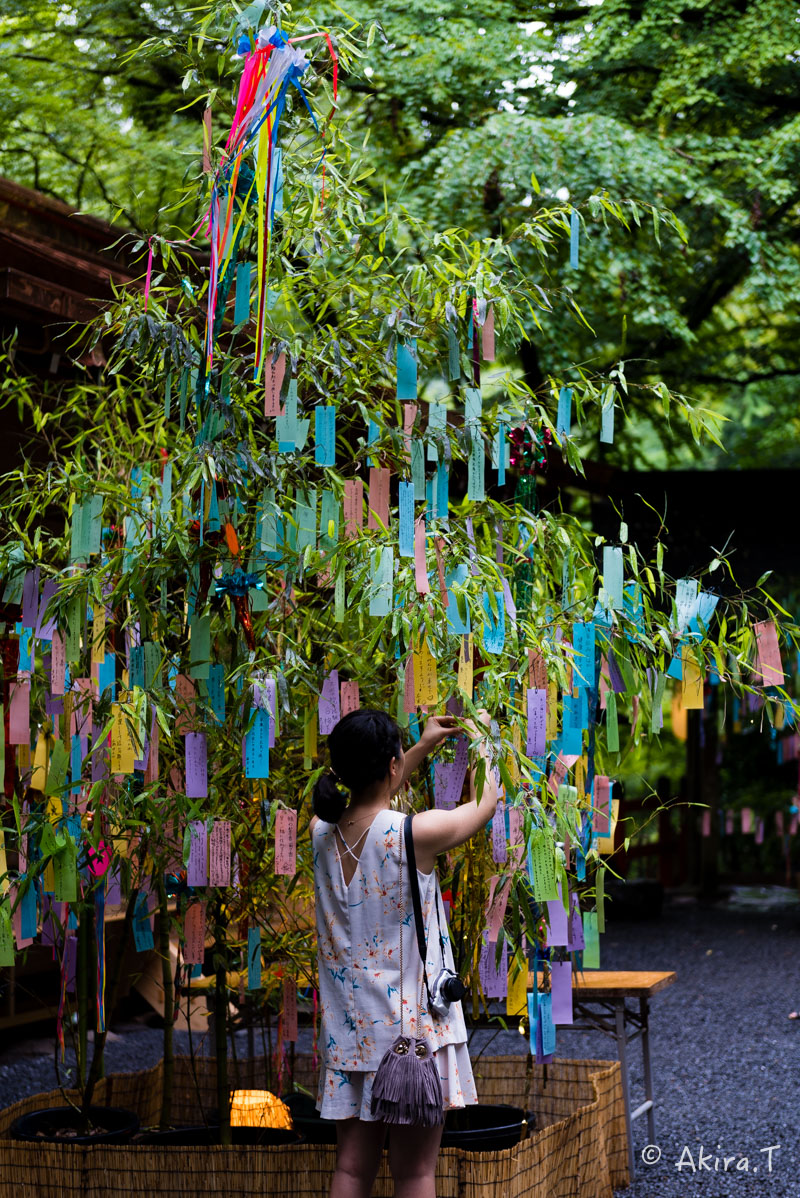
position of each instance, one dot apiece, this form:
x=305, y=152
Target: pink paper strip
x=769, y=654
x=286, y=842
x=378, y=501
x=349, y=697
x=58, y=665
x=496, y=908
x=420, y=564
x=273, y=381
x=353, y=506
x=601, y=813
x=219, y=853
x=19, y=711
x=194, y=932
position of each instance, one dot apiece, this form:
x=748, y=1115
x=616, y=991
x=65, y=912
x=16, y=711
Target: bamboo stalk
x=112, y=989
x=82, y=1000
x=165, y=1118
x=221, y=1023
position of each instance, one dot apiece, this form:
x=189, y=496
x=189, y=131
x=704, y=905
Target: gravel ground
x=726, y=1058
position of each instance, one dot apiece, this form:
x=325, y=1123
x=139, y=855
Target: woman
x=363, y=900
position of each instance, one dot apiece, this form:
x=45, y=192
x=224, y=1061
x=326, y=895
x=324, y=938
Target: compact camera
x=447, y=988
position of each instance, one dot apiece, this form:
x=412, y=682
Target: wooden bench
x=599, y=1001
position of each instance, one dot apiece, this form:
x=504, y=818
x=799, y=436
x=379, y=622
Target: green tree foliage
x=481, y=120
x=85, y=123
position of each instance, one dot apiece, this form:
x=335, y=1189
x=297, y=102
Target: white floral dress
x=358, y=946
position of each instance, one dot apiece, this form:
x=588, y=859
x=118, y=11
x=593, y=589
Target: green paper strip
x=339, y=597
x=200, y=648
x=656, y=718
x=591, y=952
x=612, y=726
x=6, y=935
x=600, y=898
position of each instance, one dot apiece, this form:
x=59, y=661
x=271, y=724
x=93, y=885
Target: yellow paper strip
x=691, y=682
x=122, y=749
x=465, y=664
x=425, y=681
x=517, y=997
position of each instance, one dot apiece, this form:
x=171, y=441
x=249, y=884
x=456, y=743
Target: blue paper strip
x=325, y=435
x=241, y=308
x=407, y=369
x=406, y=519
x=574, y=235
x=564, y=417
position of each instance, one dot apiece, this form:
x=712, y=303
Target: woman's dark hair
x=361, y=746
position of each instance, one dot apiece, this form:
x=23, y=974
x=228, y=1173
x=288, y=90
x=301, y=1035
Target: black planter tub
x=306, y=1120
x=483, y=1128
x=194, y=1137
x=59, y=1125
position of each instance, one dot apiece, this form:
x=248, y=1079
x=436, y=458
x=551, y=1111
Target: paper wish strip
x=329, y=708
x=353, y=506
x=194, y=932
x=219, y=853
x=769, y=654
x=286, y=842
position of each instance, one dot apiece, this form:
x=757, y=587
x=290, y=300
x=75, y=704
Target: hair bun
x=328, y=801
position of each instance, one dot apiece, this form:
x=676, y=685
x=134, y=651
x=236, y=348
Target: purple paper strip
x=537, y=722
x=561, y=990
x=70, y=962
x=113, y=887
x=329, y=710
x=499, y=842
x=557, y=922
x=494, y=979
x=444, y=797
x=511, y=606
x=197, y=869
x=30, y=599
x=45, y=625
x=271, y=691
x=614, y=676
x=196, y=768
x=576, y=940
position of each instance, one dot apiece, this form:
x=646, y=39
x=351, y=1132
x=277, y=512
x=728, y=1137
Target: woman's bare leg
x=358, y=1158
x=413, y=1152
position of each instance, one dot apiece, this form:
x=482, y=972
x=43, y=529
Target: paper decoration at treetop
x=271, y=67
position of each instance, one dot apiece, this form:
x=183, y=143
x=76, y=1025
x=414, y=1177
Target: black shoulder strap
x=415, y=899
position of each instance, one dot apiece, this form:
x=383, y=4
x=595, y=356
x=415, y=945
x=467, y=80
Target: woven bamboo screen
x=577, y=1149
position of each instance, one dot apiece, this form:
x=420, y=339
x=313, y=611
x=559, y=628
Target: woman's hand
x=479, y=728
x=437, y=729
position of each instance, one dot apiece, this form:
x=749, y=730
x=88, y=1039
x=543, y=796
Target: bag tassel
x=407, y=1087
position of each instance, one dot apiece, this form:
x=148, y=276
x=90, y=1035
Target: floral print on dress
x=358, y=941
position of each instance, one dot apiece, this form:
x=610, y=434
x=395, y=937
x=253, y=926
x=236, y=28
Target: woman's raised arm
x=437, y=831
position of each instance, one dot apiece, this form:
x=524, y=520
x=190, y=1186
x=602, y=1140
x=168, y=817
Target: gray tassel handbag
x=407, y=1087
